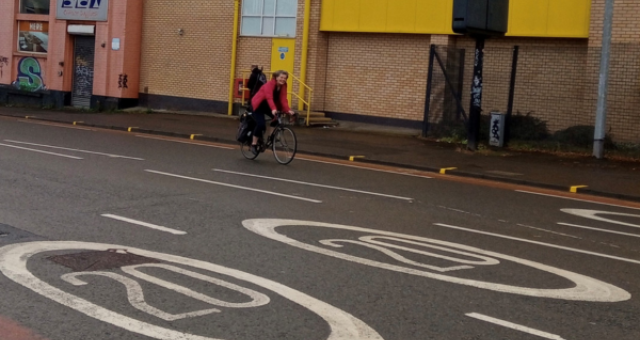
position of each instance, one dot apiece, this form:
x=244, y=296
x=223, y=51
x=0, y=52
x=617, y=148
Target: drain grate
x=100, y=260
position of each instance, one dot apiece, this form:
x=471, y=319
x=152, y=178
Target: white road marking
x=13, y=264
x=514, y=326
x=362, y=168
x=183, y=142
x=234, y=186
x=75, y=150
x=576, y=199
x=586, y=288
x=593, y=214
x=598, y=229
x=257, y=299
x=145, y=224
x=135, y=296
x=40, y=151
x=575, y=250
x=549, y=231
x=314, y=185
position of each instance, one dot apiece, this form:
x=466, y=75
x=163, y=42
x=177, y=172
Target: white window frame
x=274, y=17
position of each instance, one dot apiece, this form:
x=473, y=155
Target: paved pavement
x=112, y=235
x=392, y=146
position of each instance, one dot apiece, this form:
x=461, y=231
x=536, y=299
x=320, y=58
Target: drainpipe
x=234, y=53
x=305, y=47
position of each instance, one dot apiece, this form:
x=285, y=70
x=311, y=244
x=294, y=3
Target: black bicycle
x=282, y=141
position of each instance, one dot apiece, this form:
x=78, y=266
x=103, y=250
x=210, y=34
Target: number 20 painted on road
x=585, y=289
x=13, y=264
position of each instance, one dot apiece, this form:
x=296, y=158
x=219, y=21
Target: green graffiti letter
x=30, y=74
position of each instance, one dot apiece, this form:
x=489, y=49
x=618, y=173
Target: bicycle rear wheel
x=245, y=148
x=285, y=145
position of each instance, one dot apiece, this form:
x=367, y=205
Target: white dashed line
x=514, y=326
x=145, y=224
x=598, y=229
x=40, y=151
x=234, y=186
x=539, y=243
x=74, y=150
x=314, y=185
x=576, y=199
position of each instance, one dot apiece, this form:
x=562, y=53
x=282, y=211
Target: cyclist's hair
x=277, y=74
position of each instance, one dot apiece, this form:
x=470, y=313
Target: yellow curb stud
x=574, y=189
x=353, y=158
x=443, y=171
x=194, y=136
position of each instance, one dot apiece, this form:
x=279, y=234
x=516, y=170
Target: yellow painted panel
x=282, y=58
x=373, y=15
x=528, y=17
x=401, y=16
x=345, y=14
x=430, y=16
x=569, y=18
x=388, y=16
x=326, y=15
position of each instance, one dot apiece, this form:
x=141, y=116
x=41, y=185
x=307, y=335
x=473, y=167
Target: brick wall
x=623, y=117
x=550, y=78
x=377, y=74
x=7, y=38
x=194, y=65
x=384, y=75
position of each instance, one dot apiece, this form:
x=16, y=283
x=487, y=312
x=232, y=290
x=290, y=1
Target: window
x=269, y=18
x=33, y=36
x=35, y=6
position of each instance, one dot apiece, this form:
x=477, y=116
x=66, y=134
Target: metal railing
x=308, y=93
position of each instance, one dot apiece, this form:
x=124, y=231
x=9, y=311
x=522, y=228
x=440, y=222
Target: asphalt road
x=108, y=235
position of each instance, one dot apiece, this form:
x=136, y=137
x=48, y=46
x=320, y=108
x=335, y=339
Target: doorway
x=83, y=58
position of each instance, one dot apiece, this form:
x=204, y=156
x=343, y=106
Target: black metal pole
x=512, y=89
x=461, y=63
x=476, y=96
x=427, y=102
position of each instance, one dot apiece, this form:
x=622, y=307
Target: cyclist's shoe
x=254, y=150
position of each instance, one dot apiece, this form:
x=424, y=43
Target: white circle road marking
x=13, y=264
x=586, y=288
x=593, y=214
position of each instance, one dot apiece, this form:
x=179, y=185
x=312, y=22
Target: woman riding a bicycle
x=270, y=99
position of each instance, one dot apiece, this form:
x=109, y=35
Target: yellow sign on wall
x=527, y=18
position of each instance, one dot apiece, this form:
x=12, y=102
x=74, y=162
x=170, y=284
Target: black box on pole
x=481, y=17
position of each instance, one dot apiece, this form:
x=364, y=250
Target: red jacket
x=266, y=93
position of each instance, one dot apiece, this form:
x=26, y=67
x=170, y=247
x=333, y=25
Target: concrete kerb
x=360, y=160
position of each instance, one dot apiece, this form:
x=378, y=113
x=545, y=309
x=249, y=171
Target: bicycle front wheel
x=285, y=145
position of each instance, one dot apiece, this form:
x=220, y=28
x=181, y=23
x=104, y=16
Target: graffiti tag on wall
x=4, y=61
x=122, y=81
x=29, y=75
x=83, y=77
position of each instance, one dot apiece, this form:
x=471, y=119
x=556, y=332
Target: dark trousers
x=258, y=117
